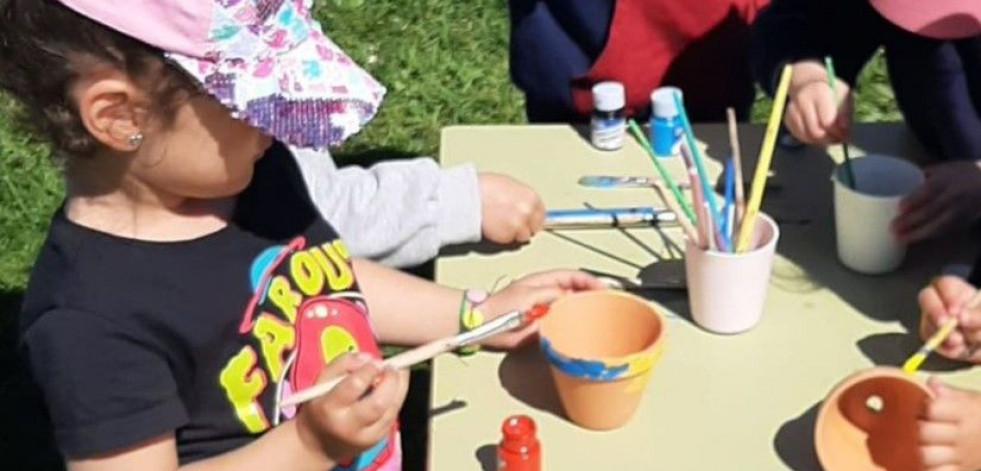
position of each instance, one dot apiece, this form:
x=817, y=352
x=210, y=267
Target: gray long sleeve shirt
x=399, y=213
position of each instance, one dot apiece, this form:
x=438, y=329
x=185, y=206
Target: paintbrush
x=610, y=182
x=833, y=83
x=736, y=149
x=498, y=325
x=763, y=164
x=914, y=362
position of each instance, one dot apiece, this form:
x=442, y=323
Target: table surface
x=747, y=401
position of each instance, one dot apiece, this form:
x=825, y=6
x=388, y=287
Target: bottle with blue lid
x=608, y=126
x=665, y=121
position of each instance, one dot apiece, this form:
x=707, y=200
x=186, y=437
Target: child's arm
x=409, y=311
x=356, y=415
x=403, y=212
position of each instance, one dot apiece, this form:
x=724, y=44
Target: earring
x=136, y=140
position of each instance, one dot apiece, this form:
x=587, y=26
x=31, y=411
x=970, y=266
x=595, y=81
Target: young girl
x=950, y=431
x=187, y=284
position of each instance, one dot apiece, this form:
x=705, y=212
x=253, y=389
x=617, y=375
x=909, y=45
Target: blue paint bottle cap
x=662, y=102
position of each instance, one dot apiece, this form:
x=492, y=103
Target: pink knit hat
x=938, y=19
x=266, y=60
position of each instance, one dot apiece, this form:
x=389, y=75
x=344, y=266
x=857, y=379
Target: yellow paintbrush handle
x=921, y=355
x=766, y=155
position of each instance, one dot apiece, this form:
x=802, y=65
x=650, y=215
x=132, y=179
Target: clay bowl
x=601, y=347
x=870, y=422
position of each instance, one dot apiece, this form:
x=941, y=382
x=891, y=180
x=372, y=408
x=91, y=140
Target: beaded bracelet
x=470, y=316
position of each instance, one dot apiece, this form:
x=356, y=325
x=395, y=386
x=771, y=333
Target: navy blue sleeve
x=552, y=42
x=793, y=30
x=105, y=389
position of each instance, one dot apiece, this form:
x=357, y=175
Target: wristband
x=471, y=317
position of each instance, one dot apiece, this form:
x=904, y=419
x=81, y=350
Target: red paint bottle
x=519, y=449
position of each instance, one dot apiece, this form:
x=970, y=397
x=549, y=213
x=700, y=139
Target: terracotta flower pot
x=601, y=347
x=869, y=422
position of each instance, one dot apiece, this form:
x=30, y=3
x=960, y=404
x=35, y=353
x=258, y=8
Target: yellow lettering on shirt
x=332, y=258
x=276, y=337
x=307, y=274
x=283, y=296
x=243, y=383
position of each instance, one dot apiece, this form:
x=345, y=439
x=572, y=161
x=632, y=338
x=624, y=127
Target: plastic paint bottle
x=519, y=449
x=608, y=125
x=665, y=121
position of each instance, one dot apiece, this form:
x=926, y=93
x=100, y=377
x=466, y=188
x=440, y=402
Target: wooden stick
x=498, y=325
x=766, y=155
x=738, y=164
x=679, y=214
x=398, y=362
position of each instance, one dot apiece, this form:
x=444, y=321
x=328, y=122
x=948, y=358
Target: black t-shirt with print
x=130, y=340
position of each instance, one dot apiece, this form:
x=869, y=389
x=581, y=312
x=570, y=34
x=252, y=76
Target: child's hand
x=950, y=195
x=510, y=210
x=950, y=431
x=813, y=116
x=942, y=300
x=357, y=414
x=540, y=288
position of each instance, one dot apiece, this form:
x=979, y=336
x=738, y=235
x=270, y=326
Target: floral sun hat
x=266, y=60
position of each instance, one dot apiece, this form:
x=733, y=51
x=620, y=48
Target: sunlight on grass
x=444, y=63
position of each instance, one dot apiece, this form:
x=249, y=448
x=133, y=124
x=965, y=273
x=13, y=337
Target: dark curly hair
x=45, y=47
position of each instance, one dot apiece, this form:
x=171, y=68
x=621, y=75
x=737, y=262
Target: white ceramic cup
x=727, y=291
x=863, y=215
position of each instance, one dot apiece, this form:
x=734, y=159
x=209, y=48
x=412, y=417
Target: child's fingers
x=383, y=397
x=356, y=384
x=795, y=122
x=943, y=408
x=342, y=365
x=376, y=415
x=573, y=280
x=938, y=433
x=812, y=121
x=927, y=226
x=937, y=455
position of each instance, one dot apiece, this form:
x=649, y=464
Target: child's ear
x=113, y=110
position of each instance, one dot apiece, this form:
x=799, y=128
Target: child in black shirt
x=187, y=285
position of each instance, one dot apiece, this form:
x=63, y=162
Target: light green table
x=744, y=402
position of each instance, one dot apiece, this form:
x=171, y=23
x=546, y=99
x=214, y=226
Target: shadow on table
x=525, y=375
x=448, y=408
x=794, y=442
x=892, y=349
x=804, y=176
x=482, y=247
x=487, y=457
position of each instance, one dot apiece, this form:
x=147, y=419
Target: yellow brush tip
x=914, y=363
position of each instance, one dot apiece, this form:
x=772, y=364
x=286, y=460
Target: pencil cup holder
x=727, y=291
x=863, y=213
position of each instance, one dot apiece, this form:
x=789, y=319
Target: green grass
x=444, y=62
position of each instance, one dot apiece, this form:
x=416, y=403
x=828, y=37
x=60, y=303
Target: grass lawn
x=444, y=62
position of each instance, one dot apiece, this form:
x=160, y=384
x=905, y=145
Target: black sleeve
x=105, y=389
x=787, y=31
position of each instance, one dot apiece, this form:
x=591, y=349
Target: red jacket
x=560, y=49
